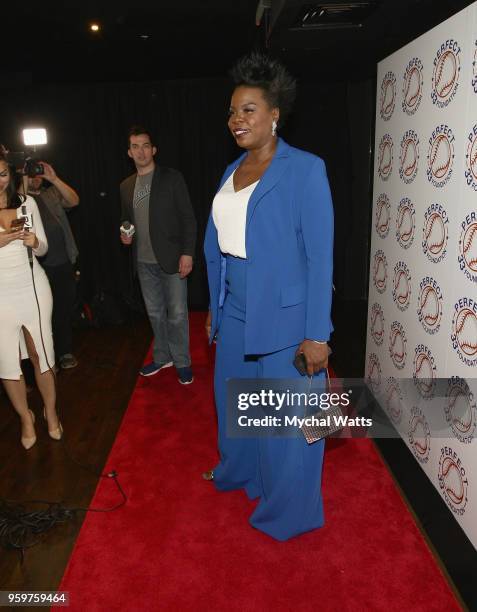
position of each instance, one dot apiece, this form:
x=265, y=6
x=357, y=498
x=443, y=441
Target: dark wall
x=336, y=121
x=87, y=128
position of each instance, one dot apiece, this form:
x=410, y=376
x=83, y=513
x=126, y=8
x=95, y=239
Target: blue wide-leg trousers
x=285, y=473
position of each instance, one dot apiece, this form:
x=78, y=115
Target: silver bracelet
x=319, y=341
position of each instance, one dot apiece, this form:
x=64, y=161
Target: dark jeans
x=63, y=288
x=165, y=296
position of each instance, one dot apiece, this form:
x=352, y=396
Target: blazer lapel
x=130, y=193
x=270, y=178
x=155, y=187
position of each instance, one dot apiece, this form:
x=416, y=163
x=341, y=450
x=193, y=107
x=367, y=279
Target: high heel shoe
x=55, y=434
x=28, y=442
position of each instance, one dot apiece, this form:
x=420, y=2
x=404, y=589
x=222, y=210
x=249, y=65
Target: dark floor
x=93, y=398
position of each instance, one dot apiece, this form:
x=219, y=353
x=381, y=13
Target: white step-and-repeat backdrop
x=421, y=354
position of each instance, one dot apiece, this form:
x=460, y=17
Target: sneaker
x=153, y=368
x=185, y=375
x=68, y=361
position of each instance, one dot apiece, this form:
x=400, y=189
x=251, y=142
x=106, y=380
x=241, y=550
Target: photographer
x=62, y=254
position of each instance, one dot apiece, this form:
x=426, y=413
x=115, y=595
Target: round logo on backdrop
x=440, y=157
x=397, y=345
x=435, y=233
x=373, y=377
x=445, y=76
x=401, y=285
x=412, y=86
x=471, y=159
x=419, y=435
x=464, y=331
x=474, y=69
x=388, y=96
x=393, y=401
x=452, y=480
x=380, y=271
x=405, y=223
x=377, y=324
x=429, y=310
x=383, y=215
x=409, y=157
x=460, y=409
x=385, y=157
x=467, y=257
x=424, y=371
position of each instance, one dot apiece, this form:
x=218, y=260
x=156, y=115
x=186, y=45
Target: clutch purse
x=315, y=431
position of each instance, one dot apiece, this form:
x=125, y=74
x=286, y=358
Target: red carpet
x=180, y=545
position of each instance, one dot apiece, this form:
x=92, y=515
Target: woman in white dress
x=25, y=326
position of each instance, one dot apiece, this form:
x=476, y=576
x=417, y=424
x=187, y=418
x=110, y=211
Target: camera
x=33, y=167
x=23, y=163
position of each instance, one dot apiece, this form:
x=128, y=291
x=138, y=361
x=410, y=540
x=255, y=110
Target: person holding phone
x=25, y=329
x=269, y=254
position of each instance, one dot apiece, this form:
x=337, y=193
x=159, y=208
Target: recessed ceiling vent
x=333, y=15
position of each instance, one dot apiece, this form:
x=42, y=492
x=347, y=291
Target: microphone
x=127, y=229
x=28, y=216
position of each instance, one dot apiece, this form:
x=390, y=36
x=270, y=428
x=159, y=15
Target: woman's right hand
x=7, y=237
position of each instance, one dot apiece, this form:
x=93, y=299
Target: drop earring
x=274, y=127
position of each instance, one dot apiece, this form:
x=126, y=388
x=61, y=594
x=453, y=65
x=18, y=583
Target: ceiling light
x=94, y=27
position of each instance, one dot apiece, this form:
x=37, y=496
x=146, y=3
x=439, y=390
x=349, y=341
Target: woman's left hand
x=30, y=240
x=316, y=355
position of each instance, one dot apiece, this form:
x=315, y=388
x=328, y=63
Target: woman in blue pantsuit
x=269, y=248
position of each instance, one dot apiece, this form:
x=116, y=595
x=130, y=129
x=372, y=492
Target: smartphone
x=300, y=363
x=17, y=224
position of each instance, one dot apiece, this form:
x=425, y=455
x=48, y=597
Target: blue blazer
x=289, y=246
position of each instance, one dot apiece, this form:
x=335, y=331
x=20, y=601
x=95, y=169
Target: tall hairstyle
x=259, y=70
x=137, y=130
x=14, y=199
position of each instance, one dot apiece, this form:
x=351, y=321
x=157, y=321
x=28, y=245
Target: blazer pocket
x=293, y=294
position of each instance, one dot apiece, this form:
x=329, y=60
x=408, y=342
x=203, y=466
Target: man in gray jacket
x=156, y=201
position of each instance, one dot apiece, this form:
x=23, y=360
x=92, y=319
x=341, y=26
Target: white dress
x=18, y=306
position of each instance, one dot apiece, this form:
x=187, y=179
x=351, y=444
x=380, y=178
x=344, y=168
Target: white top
x=229, y=212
